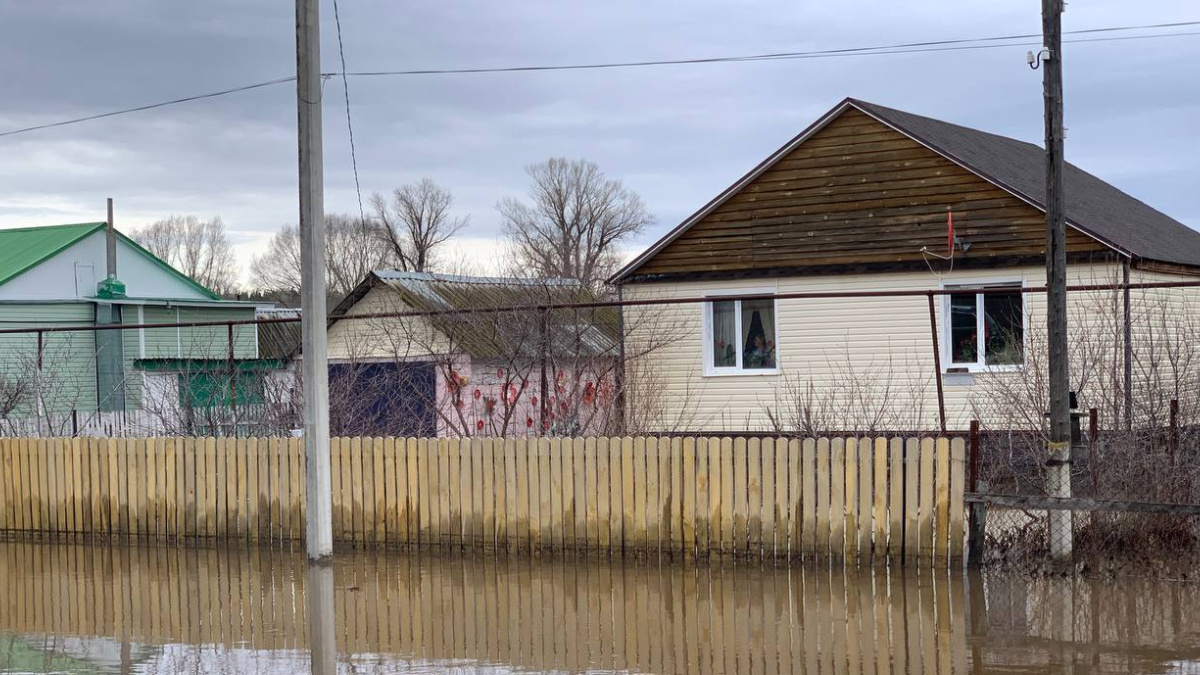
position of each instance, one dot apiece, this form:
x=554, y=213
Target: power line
x=151, y=106
x=349, y=125
x=915, y=47
x=904, y=48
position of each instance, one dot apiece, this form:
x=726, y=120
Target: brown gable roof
x=1094, y=207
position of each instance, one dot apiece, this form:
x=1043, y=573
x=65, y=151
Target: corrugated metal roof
x=23, y=248
x=278, y=340
x=583, y=332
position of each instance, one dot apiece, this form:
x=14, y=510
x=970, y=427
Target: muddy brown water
x=89, y=609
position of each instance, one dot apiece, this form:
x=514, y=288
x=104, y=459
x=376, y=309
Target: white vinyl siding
x=875, y=348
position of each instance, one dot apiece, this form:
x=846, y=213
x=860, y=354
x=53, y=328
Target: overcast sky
x=675, y=134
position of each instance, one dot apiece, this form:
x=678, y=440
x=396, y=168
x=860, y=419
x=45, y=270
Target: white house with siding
x=871, y=199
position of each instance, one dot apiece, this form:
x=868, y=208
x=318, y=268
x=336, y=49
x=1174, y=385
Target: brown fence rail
x=853, y=498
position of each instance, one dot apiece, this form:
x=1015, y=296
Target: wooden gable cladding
x=858, y=194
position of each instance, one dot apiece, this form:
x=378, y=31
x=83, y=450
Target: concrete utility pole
x=314, y=360
x=1058, y=473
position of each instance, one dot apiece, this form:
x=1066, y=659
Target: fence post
x=975, y=535
x=937, y=363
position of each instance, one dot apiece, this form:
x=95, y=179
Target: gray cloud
x=676, y=134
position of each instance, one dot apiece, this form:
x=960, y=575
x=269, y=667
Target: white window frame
x=980, y=365
x=706, y=311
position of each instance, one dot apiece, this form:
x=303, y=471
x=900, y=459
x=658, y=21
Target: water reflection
x=82, y=609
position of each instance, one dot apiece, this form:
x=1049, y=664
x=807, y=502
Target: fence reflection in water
x=251, y=610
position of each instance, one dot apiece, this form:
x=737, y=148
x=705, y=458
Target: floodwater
x=89, y=609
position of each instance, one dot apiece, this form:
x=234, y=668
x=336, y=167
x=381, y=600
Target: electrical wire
x=349, y=124
x=904, y=48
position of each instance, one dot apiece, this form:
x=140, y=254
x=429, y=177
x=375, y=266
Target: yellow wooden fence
x=853, y=498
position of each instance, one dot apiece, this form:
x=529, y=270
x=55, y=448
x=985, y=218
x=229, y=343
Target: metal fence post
x=978, y=525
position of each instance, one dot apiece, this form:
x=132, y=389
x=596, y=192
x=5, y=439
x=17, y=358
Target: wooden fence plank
x=427, y=487
x=941, y=542
x=957, y=506
x=522, y=535
x=628, y=504
x=188, y=492
x=362, y=473
x=413, y=459
x=511, y=496
x=545, y=478
x=601, y=540
x=795, y=507
x=780, y=501
x=851, y=517
x=595, y=455
x=912, y=525
x=445, y=482
x=6, y=489
x=641, y=493
x=569, y=473
x=406, y=486
x=766, y=497
x=74, y=480
x=726, y=502
x=486, y=486
x=674, y=527
x=704, y=491
x=741, y=497
x=824, y=476
x=837, y=498
x=379, y=457
x=896, y=492
x=557, y=448
x=687, y=530
x=616, y=523
x=664, y=496
x=252, y=512
x=880, y=509
x=866, y=484
x=926, y=510
x=657, y=466
x=454, y=489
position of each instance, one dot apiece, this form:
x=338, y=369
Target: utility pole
x=314, y=360
x=1058, y=462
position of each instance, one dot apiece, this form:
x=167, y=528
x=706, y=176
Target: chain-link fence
x=1134, y=501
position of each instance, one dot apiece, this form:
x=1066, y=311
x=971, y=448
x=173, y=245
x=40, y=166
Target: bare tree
x=417, y=222
x=198, y=248
x=352, y=250
x=574, y=222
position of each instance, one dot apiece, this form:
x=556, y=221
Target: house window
x=207, y=390
x=740, y=336
x=986, y=329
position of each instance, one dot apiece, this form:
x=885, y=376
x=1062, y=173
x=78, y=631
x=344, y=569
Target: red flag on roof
x=949, y=232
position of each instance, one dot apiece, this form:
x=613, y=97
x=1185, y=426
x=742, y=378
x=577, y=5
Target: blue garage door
x=382, y=399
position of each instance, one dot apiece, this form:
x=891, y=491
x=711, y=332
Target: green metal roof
x=24, y=248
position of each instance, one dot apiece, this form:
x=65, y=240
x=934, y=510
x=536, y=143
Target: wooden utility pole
x=1058, y=473
x=314, y=359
